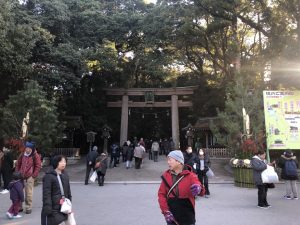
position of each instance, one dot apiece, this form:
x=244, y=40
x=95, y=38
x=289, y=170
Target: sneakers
x=287, y=197
x=18, y=216
x=28, y=211
x=207, y=196
x=9, y=215
x=5, y=191
x=262, y=206
x=295, y=198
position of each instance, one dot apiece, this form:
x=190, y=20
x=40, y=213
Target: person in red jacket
x=177, y=191
x=29, y=165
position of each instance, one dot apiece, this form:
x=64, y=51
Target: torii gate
x=174, y=103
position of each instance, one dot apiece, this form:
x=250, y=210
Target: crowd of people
x=185, y=179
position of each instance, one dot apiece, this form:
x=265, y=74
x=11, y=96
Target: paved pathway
x=129, y=197
x=136, y=204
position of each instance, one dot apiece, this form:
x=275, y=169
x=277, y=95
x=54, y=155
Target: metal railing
x=68, y=152
x=219, y=152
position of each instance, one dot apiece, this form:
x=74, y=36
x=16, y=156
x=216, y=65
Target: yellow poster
x=282, y=118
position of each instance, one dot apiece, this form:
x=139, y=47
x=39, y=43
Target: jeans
x=291, y=188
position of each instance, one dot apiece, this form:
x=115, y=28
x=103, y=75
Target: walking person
x=259, y=164
x=101, y=167
x=155, y=150
x=138, y=156
x=16, y=191
x=6, y=169
x=52, y=196
x=29, y=165
x=90, y=163
x=166, y=146
x=189, y=157
x=114, y=154
x=129, y=155
x=201, y=166
x=124, y=151
x=177, y=191
x=289, y=172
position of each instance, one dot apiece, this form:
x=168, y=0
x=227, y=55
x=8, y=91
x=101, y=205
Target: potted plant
x=241, y=164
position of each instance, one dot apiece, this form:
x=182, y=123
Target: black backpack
x=290, y=167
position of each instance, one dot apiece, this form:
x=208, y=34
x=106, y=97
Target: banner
x=282, y=118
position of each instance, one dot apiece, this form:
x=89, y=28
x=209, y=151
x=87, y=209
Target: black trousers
x=262, y=195
x=100, y=178
x=6, y=176
x=150, y=155
x=155, y=155
x=87, y=174
x=138, y=162
x=204, y=180
x=113, y=161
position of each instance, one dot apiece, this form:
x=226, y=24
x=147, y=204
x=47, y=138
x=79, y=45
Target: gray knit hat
x=177, y=155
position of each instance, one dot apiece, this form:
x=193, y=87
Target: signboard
x=282, y=118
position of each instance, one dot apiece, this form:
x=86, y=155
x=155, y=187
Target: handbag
x=93, y=176
x=210, y=173
x=269, y=175
x=71, y=219
x=66, y=204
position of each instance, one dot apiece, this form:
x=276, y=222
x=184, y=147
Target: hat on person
x=29, y=145
x=177, y=155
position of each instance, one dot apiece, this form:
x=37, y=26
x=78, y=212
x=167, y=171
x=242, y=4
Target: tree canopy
x=75, y=48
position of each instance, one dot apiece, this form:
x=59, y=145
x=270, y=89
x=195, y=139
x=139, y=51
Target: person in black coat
x=90, y=163
x=52, y=196
x=202, y=166
x=189, y=158
x=7, y=168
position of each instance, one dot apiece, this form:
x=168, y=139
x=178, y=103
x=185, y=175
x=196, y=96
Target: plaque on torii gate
x=174, y=103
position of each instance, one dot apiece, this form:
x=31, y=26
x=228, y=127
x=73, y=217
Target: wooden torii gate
x=174, y=103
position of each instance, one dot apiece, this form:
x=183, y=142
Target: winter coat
x=129, y=154
x=103, y=164
x=29, y=166
x=281, y=164
x=115, y=150
x=124, y=150
x=189, y=159
x=1, y=159
x=155, y=146
x=91, y=157
x=16, y=190
x=258, y=166
x=138, y=152
x=198, y=164
x=52, y=196
x=181, y=206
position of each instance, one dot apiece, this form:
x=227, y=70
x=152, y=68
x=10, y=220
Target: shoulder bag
x=66, y=204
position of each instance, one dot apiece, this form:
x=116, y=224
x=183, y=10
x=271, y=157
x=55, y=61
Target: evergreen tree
x=229, y=127
x=44, y=127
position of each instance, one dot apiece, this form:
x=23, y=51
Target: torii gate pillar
x=175, y=120
x=124, y=120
